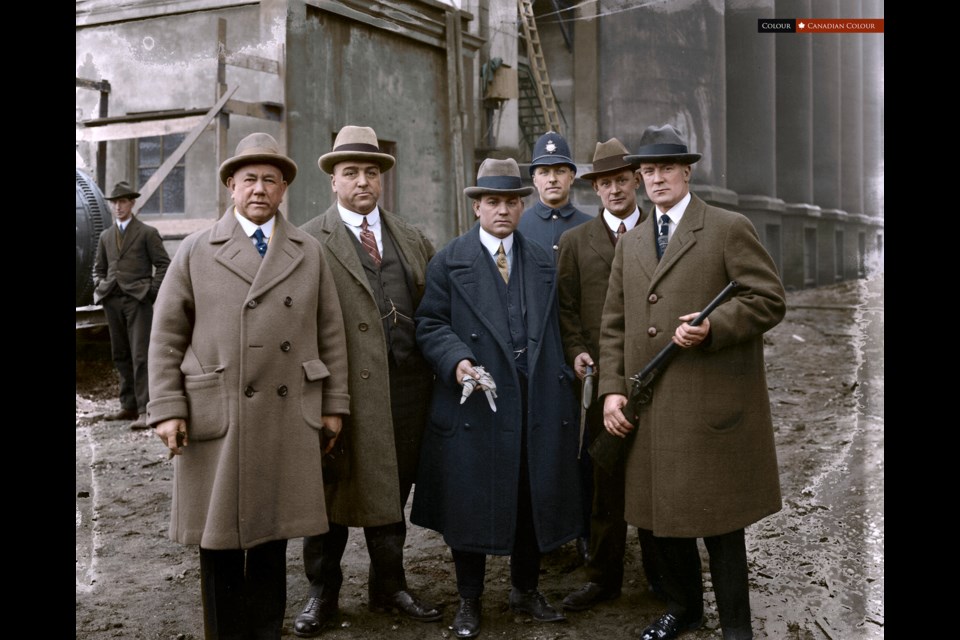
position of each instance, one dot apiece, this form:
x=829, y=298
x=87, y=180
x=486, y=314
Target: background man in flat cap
x=586, y=253
x=378, y=262
x=553, y=172
x=127, y=273
x=703, y=462
x=247, y=378
x=497, y=482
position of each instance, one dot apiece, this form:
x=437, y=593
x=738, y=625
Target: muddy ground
x=816, y=567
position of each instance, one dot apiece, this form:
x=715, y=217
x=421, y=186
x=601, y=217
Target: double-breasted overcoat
x=470, y=461
x=703, y=462
x=251, y=352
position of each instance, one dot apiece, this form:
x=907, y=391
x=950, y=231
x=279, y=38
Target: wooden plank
x=455, y=120
x=265, y=110
x=151, y=186
x=143, y=129
x=254, y=63
x=94, y=12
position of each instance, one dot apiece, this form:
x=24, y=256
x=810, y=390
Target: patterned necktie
x=664, y=236
x=502, y=264
x=261, y=245
x=622, y=229
x=369, y=242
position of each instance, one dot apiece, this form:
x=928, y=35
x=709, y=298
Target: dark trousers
x=244, y=593
x=129, y=321
x=682, y=583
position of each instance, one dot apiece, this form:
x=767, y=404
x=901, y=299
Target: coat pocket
x=206, y=403
x=311, y=395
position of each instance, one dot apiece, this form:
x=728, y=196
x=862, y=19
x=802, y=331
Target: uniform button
x=288, y=301
x=474, y=336
x=364, y=373
x=652, y=331
x=652, y=299
x=285, y=346
x=252, y=304
x=554, y=217
x=282, y=390
x=249, y=391
x=363, y=326
x=556, y=247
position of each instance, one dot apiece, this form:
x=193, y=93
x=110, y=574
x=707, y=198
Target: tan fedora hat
x=609, y=156
x=122, y=190
x=662, y=144
x=356, y=143
x=258, y=148
x=501, y=177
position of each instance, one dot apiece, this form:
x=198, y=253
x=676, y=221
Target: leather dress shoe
x=587, y=596
x=534, y=605
x=140, y=423
x=316, y=615
x=668, y=626
x=123, y=414
x=407, y=604
x=466, y=624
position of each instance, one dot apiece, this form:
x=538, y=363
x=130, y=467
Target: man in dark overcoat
x=497, y=481
x=127, y=274
x=703, y=462
x=379, y=263
x=248, y=376
x=583, y=271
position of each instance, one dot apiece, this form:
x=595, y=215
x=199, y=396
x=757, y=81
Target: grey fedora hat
x=356, y=143
x=258, y=148
x=662, y=144
x=122, y=190
x=609, y=156
x=501, y=177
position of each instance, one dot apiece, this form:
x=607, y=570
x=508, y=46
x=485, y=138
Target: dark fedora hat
x=356, y=143
x=608, y=157
x=501, y=177
x=258, y=148
x=663, y=144
x=551, y=148
x=122, y=190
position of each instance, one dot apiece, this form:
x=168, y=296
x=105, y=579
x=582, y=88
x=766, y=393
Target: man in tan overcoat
x=248, y=380
x=703, y=462
x=378, y=262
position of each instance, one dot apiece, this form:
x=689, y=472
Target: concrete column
x=794, y=114
x=873, y=114
x=851, y=114
x=586, y=74
x=502, y=42
x=826, y=108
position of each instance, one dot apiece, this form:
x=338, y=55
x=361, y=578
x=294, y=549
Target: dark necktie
x=261, y=245
x=664, y=235
x=369, y=242
x=502, y=264
x=622, y=229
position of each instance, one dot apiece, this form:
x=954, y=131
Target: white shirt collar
x=492, y=242
x=355, y=219
x=249, y=227
x=676, y=212
x=613, y=222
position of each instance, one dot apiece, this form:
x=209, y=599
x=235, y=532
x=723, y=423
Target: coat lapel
x=684, y=237
x=599, y=240
x=237, y=253
x=282, y=257
x=405, y=242
x=539, y=290
x=340, y=245
x=134, y=229
x=643, y=243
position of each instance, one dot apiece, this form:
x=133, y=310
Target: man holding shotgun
x=702, y=463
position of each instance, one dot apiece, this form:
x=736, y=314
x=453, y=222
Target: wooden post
x=102, y=146
x=223, y=119
x=455, y=102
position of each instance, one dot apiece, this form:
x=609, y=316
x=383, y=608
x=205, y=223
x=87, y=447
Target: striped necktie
x=502, y=264
x=369, y=242
x=664, y=236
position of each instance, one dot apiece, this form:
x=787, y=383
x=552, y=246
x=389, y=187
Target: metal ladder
x=538, y=66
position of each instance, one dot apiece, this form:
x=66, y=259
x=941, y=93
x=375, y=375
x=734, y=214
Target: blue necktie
x=261, y=245
x=664, y=236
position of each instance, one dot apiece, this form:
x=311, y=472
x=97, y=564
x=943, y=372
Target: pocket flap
x=315, y=370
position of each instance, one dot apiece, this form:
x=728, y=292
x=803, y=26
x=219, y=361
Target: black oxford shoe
x=534, y=605
x=587, y=596
x=407, y=604
x=668, y=626
x=466, y=624
x=316, y=615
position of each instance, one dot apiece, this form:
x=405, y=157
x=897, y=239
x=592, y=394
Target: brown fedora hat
x=609, y=156
x=122, y=190
x=356, y=143
x=662, y=144
x=501, y=177
x=258, y=148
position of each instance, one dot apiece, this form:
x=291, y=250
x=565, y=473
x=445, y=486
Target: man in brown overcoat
x=248, y=379
x=703, y=462
x=378, y=262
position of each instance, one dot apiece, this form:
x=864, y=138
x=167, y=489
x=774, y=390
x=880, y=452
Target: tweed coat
x=370, y=495
x=131, y=265
x=470, y=461
x=251, y=352
x=703, y=462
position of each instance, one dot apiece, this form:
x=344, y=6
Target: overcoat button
x=364, y=373
x=252, y=304
x=249, y=391
x=288, y=301
x=363, y=326
x=653, y=298
x=652, y=331
x=285, y=346
x=282, y=390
